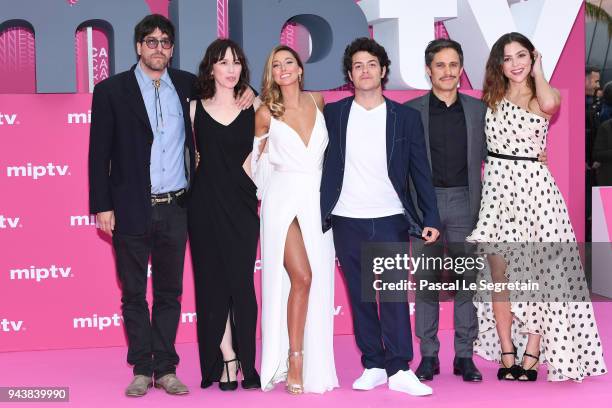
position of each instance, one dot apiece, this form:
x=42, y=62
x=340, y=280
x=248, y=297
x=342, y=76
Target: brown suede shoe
x=139, y=386
x=171, y=384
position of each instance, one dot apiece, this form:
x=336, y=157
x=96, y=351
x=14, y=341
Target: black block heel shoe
x=509, y=373
x=529, y=374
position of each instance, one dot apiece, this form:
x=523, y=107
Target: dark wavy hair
x=148, y=24
x=370, y=46
x=495, y=82
x=205, y=83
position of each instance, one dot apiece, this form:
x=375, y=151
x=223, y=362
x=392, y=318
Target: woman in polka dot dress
x=522, y=214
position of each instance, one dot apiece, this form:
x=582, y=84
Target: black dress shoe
x=465, y=367
x=428, y=367
x=251, y=383
x=206, y=383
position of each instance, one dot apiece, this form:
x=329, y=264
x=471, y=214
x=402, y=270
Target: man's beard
x=155, y=64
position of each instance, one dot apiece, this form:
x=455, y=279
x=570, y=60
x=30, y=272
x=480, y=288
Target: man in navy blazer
x=375, y=147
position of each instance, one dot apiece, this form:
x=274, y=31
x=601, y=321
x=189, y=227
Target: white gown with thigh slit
x=292, y=191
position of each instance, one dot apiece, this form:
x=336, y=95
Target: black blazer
x=120, y=148
x=406, y=158
x=474, y=111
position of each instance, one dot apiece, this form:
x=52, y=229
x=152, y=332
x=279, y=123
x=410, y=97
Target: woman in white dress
x=297, y=257
x=524, y=227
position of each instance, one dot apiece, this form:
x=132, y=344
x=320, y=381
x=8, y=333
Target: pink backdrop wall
x=57, y=282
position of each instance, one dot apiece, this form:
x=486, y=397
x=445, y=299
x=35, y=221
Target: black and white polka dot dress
x=524, y=218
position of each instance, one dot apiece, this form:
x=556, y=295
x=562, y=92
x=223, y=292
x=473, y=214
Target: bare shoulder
x=318, y=97
x=263, y=113
x=262, y=120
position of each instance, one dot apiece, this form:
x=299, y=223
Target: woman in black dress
x=223, y=221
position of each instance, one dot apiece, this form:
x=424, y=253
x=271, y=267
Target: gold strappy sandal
x=294, y=389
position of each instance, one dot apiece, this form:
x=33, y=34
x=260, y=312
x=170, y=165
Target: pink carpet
x=97, y=378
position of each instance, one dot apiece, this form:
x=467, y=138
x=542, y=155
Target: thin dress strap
x=313, y=100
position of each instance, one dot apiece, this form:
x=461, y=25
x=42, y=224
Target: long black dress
x=223, y=234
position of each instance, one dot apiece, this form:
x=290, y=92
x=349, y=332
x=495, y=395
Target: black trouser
x=151, y=339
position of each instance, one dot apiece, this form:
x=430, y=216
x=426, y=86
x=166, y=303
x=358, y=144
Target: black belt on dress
x=166, y=198
x=508, y=157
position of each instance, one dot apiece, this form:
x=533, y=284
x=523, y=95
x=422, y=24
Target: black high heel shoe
x=509, y=373
x=529, y=374
x=230, y=385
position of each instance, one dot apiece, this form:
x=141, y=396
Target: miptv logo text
x=38, y=171
x=97, y=322
x=83, y=221
x=7, y=325
x=116, y=320
x=8, y=119
x=79, y=118
x=40, y=274
x=9, y=222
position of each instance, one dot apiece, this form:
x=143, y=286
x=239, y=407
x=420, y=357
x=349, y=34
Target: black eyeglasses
x=152, y=43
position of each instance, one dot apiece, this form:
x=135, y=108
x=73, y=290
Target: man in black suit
x=456, y=147
x=141, y=159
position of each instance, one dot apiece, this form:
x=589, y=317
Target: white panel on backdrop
x=522, y=13
x=480, y=23
x=405, y=29
x=554, y=22
x=601, y=257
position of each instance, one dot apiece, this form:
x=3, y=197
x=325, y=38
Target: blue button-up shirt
x=167, y=153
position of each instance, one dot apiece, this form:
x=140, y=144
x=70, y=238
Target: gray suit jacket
x=475, y=111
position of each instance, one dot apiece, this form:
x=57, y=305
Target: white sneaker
x=407, y=381
x=370, y=379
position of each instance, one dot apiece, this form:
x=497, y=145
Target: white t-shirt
x=367, y=191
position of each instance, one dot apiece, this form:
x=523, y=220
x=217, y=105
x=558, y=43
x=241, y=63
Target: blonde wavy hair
x=271, y=95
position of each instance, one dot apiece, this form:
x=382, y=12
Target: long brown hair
x=496, y=83
x=215, y=52
x=271, y=95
